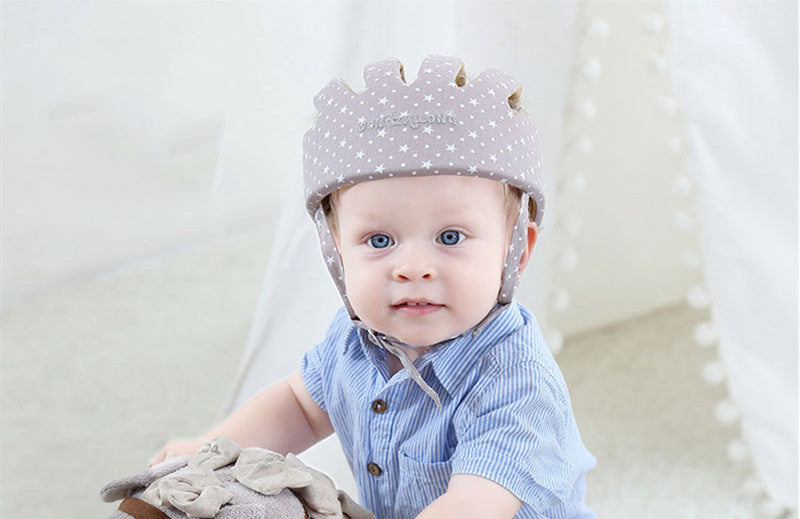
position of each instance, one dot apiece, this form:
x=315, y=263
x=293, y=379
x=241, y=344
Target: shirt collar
x=452, y=360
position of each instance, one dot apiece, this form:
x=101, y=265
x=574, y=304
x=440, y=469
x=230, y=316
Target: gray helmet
x=441, y=124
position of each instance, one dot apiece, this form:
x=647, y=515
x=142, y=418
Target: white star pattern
x=428, y=98
x=360, y=154
x=427, y=164
x=404, y=148
x=428, y=129
x=451, y=147
x=383, y=100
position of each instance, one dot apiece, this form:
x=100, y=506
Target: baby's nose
x=414, y=265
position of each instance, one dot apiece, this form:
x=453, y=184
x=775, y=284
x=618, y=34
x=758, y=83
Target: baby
x=427, y=198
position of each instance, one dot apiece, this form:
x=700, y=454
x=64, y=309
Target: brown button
x=379, y=406
x=374, y=469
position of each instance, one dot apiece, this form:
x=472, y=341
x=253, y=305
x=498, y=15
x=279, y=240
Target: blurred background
x=158, y=268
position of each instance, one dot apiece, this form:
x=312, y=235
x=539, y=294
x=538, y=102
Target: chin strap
x=387, y=343
x=391, y=344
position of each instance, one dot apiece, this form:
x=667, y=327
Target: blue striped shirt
x=506, y=416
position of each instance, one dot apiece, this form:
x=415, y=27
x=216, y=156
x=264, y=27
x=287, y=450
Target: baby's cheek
x=361, y=291
x=491, y=267
x=483, y=281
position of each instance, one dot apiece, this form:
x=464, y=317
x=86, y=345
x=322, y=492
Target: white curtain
x=736, y=74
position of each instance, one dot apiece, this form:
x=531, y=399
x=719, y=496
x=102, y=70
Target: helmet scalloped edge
x=440, y=124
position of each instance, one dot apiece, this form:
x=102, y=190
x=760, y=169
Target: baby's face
x=423, y=256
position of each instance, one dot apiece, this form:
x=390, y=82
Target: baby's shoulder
x=518, y=367
x=339, y=334
x=518, y=357
x=524, y=344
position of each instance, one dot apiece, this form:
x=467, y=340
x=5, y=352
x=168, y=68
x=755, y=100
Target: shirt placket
x=381, y=414
x=377, y=468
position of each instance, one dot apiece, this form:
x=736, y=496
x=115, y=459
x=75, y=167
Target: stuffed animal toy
x=224, y=481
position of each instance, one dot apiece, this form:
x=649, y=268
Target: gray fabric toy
x=225, y=482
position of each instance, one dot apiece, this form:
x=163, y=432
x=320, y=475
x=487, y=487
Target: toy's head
x=442, y=124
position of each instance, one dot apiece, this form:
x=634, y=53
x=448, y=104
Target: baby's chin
x=421, y=336
x=424, y=340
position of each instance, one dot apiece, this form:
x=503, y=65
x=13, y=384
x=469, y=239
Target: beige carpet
x=647, y=415
x=96, y=375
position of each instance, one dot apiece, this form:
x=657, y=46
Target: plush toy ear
x=124, y=487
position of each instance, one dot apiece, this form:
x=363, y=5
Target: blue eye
x=380, y=241
x=451, y=237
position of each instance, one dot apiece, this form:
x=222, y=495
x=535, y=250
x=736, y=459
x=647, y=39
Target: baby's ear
x=533, y=233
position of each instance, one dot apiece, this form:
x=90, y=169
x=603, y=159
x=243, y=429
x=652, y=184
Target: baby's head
x=426, y=196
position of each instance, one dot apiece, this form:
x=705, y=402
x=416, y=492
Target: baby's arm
x=283, y=418
x=472, y=496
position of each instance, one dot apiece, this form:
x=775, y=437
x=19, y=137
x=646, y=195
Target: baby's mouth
x=417, y=307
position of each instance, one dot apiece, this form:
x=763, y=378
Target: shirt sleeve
x=311, y=371
x=317, y=362
x=518, y=431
